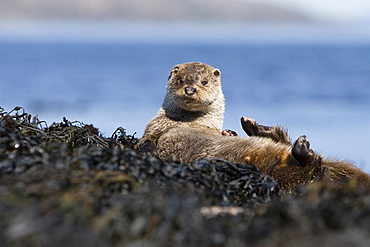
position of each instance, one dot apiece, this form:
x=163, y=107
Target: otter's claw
x=229, y=133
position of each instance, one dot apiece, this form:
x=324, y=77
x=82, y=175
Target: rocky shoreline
x=67, y=185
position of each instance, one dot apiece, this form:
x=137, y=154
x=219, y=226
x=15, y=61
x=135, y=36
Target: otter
x=188, y=126
x=194, y=99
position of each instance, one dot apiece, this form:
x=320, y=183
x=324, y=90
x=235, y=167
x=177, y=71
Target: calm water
x=320, y=90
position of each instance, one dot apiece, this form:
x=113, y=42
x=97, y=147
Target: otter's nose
x=190, y=90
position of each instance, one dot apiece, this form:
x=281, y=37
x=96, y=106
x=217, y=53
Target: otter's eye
x=181, y=81
x=204, y=82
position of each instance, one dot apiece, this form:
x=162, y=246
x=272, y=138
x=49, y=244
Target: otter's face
x=194, y=86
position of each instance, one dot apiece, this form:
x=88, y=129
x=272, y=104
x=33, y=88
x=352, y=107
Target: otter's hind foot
x=252, y=128
x=301, y=152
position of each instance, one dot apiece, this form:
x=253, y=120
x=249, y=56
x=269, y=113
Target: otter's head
x=194, y=86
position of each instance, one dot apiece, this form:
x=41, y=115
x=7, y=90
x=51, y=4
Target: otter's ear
x=174, y=70
x=217, y=72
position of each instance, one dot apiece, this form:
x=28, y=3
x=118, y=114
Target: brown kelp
x=67, y=185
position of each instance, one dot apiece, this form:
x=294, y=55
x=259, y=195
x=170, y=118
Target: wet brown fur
x=188, y=127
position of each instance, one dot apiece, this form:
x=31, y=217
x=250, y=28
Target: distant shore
x=150, y=10
x=182, y=32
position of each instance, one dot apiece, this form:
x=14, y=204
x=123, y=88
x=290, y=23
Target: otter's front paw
x=147, y=147
x=301, y=151
x=229, y=133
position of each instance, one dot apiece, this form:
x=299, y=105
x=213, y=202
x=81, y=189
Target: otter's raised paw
x=276, y=133
x=301, y=151
x=229, y=133
x=252, y=128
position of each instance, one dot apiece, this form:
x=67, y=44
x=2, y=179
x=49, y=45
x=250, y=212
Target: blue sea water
x=320, y=89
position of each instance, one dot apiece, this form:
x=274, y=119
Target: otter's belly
x=190, y=144
x=186, y=144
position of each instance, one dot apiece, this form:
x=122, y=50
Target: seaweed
x=79, y=146
x=68, y=185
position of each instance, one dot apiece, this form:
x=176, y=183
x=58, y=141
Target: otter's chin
x=194, y=106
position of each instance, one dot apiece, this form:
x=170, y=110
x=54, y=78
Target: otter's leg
x=276, y=133
x=229, y=133
x=302, y=152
